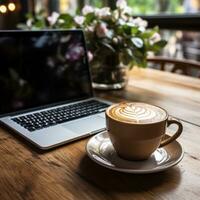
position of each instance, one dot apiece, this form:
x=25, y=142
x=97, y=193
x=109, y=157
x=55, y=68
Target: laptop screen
x=38, y=68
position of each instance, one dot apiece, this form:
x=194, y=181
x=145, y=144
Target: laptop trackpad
x=86, y=125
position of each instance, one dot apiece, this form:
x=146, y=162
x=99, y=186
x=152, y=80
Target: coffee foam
x=137, y=113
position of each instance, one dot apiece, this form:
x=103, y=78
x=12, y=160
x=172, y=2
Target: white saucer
x=100, y=149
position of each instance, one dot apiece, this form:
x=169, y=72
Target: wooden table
x=67, y=172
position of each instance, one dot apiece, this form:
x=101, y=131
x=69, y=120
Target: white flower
x=61, y=21
x=121, y=4
x=101, y=30
x=29, y=22
x=141, y=29
x=122, y=22
x=79, y=19
x=130, y=24
x=115, y=14
x=103, y=12
x=155, y=38
x=87, y=9
x=124, y=16
x=128, y=10
x=53, y=18
x=139, y=22
x=90, y=28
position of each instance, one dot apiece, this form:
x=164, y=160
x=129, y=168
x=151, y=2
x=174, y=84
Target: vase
x=108, y=75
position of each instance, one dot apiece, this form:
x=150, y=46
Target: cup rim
x=126, y=122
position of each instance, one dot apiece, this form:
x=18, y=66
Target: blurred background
x=179, y=20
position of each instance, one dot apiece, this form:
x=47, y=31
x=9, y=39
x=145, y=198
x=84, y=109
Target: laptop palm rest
x=86, y=125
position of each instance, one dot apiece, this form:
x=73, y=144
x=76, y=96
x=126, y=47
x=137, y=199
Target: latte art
x=139, y=113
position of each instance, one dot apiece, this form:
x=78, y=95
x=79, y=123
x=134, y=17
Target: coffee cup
x=136, y=129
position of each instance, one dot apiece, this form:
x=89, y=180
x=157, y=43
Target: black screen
x=38, y=68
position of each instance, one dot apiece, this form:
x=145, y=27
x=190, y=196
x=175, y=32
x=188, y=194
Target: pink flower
x=90, y=56
x=53, y=18
x=79, y=20
x=101, y=30
x=75, y=52
x=155, y=38
x=87, y=9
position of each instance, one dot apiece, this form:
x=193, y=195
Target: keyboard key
x=59, y=115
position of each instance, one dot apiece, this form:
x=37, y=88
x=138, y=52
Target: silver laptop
x=45, y=87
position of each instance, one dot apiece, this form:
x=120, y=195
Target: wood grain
x=178, y=94
x=67, y=173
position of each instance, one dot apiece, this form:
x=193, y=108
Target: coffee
x=136, y=130
x=138, y=113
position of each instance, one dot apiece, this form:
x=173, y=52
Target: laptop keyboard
x=59, y=115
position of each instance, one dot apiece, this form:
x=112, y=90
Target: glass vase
x=108, y=78
x=109, y=75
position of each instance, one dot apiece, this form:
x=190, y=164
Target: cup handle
x=176, y=135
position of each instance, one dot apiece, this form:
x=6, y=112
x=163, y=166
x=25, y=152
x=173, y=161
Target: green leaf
x=134, y=30
x=68, y=19
x=29, y=15
x=41, y=12
x=140, y=61
x=149, y=33
x=89, y=18
x=78, y=11
x=161, y=43
x=126, y=56
x=127, y=29
x=138, y=42
x=129, y=52
x=158, y=46
x=138, y=53
x=40, y=24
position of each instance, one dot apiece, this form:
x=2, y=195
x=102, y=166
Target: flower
x=121, y=4
x=115, y=14
x=90, y=56
x=75, y=52
x=79, y=20
x=61, y=21
x=29, y=22
x=109, y=34
x=154, y=38
x=122, y=22
x=103, y=12
x=87, y=9
x=139, y=22
x=90, y=29
x=101, y=30
x=127, y=10
x=53, y=18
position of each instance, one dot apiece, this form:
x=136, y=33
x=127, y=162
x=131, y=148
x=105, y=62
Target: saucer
x=100, y=149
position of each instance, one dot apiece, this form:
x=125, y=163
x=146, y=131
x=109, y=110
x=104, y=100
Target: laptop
x=45, y=87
